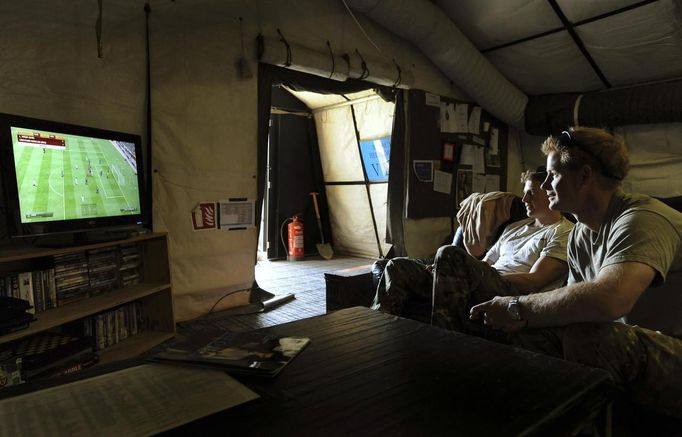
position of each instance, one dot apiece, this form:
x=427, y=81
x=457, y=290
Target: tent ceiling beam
x=579, y=42
x=561, y=29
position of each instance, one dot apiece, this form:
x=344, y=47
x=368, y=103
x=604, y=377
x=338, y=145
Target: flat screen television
x=64, y=178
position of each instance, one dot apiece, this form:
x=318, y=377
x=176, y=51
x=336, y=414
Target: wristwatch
x=514, y=308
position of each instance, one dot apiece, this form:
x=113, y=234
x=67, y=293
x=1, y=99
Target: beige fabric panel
x=204, y=150
x=351, y=221
x=50, y=67
x=655, y=159
x=338, y=145
x=374, y=118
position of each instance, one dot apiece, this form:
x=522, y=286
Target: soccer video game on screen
x=64, y=177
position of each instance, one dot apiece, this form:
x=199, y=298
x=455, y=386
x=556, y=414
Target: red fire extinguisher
x=295, y=229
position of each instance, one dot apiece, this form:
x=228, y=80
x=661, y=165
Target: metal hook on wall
x=98, y=31
x=287, y=62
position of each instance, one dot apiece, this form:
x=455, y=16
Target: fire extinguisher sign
x=204, y=216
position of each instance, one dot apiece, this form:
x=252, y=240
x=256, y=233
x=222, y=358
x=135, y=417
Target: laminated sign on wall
x=237, y=214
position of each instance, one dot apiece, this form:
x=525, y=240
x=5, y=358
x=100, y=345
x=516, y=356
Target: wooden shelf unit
x=153, y=293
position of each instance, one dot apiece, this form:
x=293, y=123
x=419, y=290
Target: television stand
x=87, y=237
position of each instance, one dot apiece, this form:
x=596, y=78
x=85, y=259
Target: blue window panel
x=376, y=155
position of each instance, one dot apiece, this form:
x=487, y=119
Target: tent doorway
x=339, y=146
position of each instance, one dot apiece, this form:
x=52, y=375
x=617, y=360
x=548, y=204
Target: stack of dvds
x=130, y=264
x=71, y=277
x=113, y=326
x=102, y=269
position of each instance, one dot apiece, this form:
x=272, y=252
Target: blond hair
x=602, y=151
x=538, y=175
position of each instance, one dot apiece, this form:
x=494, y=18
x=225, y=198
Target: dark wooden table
x=368, y=373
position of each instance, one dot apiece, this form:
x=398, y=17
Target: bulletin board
x=455, y=148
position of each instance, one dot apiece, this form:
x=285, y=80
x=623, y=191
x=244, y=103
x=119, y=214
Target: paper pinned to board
x=467, y=155
x=461, y=117
x=447, y=117
x=479, y=160
x=475, y=120
x=492, y=183
x=494, y=139
x=432, y=99
x=478, y=183
x=442, y=181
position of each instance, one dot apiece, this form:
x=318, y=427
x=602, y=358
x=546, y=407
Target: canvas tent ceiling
x=630, y=42
x=553, y=59
x=500, y=52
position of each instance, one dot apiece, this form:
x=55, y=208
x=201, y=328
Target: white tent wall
x=204, y=148
x=655, y=160
x=204, y=115
x=50, y=68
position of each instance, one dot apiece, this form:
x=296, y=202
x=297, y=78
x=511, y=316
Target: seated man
x=529, y=256
x=625, y=261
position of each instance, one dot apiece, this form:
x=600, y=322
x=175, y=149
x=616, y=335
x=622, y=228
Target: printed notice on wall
x=492, y=183
x=442, y=181
x=237, y=214
x=204, y=216
x=432, y=99
x=475, y=120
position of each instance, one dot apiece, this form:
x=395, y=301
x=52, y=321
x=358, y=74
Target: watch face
x=514, y=309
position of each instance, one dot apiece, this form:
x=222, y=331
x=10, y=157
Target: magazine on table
x=253, y=353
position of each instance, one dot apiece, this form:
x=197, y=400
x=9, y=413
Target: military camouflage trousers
x=457, y=282
x=645, y=364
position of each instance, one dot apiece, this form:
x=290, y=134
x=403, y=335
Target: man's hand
x=495, y=314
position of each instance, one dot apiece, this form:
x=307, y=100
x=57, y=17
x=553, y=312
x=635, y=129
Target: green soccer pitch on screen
x=65, y=177
x=61, y=177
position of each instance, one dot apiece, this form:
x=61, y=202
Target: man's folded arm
x=545, y=271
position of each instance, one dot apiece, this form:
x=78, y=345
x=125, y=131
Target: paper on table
x=442, y=181
x=141, y=400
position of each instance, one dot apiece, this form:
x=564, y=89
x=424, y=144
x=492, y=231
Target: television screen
x=63, y=177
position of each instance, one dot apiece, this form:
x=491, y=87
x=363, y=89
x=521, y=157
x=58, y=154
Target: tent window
x=375, y=158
